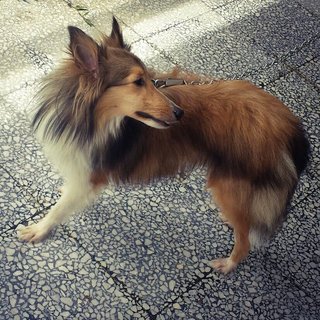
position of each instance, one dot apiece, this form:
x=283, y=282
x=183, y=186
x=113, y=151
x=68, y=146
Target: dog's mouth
x=162, y=123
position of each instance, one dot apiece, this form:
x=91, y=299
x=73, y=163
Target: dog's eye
x=139, y=82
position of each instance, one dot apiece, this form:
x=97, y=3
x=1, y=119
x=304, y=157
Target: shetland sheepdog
x=101, y=119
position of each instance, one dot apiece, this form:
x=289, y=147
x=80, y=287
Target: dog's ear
x=84, y=50
x=116, y=35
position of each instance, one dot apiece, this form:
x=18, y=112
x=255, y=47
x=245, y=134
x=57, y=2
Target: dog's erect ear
x=116, y=35
x=84, y=50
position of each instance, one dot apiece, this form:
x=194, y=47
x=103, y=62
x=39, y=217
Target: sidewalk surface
x=141, y=252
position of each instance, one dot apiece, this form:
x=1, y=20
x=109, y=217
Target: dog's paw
x=224, y=265
x=33, y=233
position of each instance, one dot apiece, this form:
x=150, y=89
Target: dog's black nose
x=178, y=112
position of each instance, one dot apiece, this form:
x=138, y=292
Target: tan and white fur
x=100, y=120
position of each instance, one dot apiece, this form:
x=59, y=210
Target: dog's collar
x=169, y=82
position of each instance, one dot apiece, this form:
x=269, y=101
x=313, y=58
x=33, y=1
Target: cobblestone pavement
x=141, y=252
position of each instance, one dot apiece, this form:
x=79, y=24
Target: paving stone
x=33, y=48
x=33, y=283
x=152, y=57
x=310, y=71
x=252, y=292
x=148, y=17
x=295, y=249
x=219, y=49
x=214, y=4
x=306, y=53
x=241, y=12
x=21, y=155
x=16, y=204
x=99, y=15
x=148, y=248
x=268, y=25
x=311, y=5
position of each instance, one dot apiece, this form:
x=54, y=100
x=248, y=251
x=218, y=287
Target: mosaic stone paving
x=141, y=252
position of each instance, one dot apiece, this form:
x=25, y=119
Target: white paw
x=224, y=265
x=34, y=233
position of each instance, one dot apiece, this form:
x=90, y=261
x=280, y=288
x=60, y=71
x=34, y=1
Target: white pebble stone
x=66, y=301
x=10, y=252
x=172, y=284
x=186, y=253
x=147, y=242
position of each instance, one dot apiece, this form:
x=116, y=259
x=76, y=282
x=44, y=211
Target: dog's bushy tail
x=269, y=202
x=268, y=209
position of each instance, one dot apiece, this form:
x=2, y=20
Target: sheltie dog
x=101, y=119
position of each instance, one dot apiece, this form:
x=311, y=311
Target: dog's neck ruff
x=169, y=82
x=114, y=126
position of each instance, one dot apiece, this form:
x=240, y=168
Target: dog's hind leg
x=239, y=252
x=233, y=196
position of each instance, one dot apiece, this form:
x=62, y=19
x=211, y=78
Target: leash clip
x=158, y=83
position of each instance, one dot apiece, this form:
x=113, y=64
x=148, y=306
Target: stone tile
x=295, y=250
x=309, y=179
x=242, y=11
x=154, y=238
x=300, y=97
x=58, y=279
x=31, y=23
x=23, y=100
x=263, y=76
x=16, y=203
x=252, y=294
x=311, y=5
x=218, y=48
x=310, y=71
x=15, y=130
x=214, y=4
x=21, y=155
x=278, y=27
x=305, y=54
x=148, y=17
x=97, y=12
x=16, y=69
x=239, y=15
x=281, y=281
x=35, y=43
x=152, y=57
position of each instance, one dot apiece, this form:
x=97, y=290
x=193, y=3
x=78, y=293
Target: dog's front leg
x=75, y=197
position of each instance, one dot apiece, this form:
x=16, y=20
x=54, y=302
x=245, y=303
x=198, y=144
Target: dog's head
x=121, y=82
